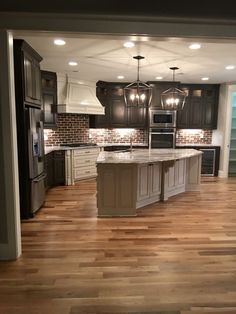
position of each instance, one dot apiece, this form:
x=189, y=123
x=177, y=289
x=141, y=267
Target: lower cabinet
x=148, y=183
x=84, y=163
x=55, y=168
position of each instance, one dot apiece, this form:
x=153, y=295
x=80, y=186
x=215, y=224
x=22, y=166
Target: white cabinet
x=84, y=163
x=148, y=184
x=175, y=175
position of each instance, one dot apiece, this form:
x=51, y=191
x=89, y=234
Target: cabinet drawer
x=86, y=152
x=85, y=172
x=85, y=161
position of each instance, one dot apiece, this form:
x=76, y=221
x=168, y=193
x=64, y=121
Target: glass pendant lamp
x=138, y=94
x=173, y=98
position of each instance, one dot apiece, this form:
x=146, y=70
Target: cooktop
x=79, y=144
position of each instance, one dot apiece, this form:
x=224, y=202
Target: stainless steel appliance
x=162, y=137
x=31, y=161
x=162, y=118
x=36, y=158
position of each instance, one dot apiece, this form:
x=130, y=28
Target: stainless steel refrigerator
x=31, y=162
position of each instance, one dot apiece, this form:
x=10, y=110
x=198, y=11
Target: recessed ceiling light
x=59, y=42
x=205, y=78
x=195, y=46
x=230, y=67
x=120, y=77
x=159, y=77
x=129, y=44
x=73, y=63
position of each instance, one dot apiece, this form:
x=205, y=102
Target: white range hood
x=75, y=96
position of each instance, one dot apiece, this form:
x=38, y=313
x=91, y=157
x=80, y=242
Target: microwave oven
x=162, y=118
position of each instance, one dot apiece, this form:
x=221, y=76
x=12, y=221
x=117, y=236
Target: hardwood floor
x=176, y=257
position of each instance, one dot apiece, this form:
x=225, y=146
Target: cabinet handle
x=87, y=171
x=87, y=160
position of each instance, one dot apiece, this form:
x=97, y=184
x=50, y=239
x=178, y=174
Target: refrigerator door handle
x=41, y=177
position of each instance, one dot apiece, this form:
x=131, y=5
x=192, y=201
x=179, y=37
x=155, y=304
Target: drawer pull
x=87, y=171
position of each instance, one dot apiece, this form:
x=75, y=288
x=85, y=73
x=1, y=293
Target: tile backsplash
x=74, y=128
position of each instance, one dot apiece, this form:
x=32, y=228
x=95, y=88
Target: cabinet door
x=28, y=74
x=49, y=167
x=32, y=77
x=137, y=117
x=210, y=107
x=183, y=116
x=143, y=182
x=59, y=168
x=155, y=179
x=196, y=108
x=37, y=95
x=49, y=108
x=118, y=113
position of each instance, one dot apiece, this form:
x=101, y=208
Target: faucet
x=131, y=143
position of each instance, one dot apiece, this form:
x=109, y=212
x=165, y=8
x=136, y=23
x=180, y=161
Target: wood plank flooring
x=176, y=257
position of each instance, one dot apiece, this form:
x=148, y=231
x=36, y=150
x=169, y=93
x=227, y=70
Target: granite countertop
x=197, y=145
x=122, y=144
x=49, y=149
x=146, y=155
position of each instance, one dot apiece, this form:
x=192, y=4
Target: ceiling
x=104, y=58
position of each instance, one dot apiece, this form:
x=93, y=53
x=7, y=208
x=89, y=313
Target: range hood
x=75, y=96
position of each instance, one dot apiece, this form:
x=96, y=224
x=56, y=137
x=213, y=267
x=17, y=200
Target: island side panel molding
x=193, y=174
x=148, y=184
x=174, y=178
x=116, y=190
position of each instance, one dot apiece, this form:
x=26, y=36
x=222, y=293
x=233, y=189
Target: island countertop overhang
x=140, y=156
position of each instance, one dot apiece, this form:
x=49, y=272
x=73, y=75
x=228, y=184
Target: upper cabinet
x=49, y=98
x=117, y=114
x=201, y=107
x=157, y=89
x=27, y=62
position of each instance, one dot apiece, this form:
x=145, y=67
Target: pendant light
x=173, y=98
x=138, y=94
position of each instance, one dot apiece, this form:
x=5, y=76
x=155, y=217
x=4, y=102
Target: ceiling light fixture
x=138, y=94
x=230, y=67
x=73, y=63
x=120, y=77
x=129, y=44
x=195, y=46
x=205, y=78
x=59, y=42
x=173, y=98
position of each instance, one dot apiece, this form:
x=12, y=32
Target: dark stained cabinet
x=201, y=107
x=117, y=114
x=157, y=89
x=55, y=168
x=30, y=67
x=49, y=98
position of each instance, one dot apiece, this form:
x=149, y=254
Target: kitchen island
x=132, y=179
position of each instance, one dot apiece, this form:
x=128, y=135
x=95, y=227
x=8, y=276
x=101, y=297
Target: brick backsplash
x=71, y=128
x=193, y=136
x=74, y=128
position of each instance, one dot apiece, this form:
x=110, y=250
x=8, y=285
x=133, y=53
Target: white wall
x=221, y=136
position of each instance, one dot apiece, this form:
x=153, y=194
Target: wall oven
x=162, y=118
x=162, y=138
